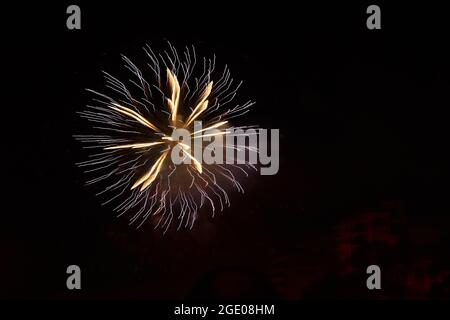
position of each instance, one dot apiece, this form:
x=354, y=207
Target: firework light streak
x=133, y=125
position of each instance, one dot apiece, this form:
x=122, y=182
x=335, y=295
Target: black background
x=364, y=133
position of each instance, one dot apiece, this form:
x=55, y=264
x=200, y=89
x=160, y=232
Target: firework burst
x=132, y=141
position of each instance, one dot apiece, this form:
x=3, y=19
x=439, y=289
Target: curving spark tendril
x=133, y=126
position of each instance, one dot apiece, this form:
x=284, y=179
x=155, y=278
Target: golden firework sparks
x=134, y=132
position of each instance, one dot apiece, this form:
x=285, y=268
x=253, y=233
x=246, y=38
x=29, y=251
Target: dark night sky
x=364, y=137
